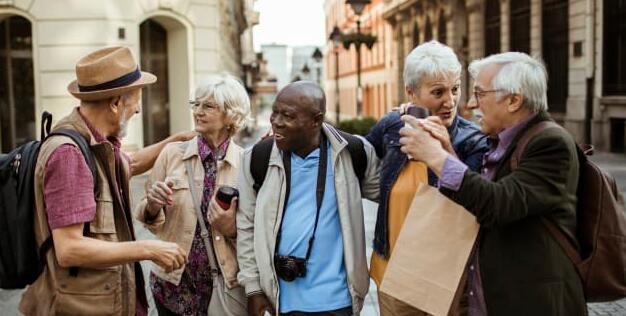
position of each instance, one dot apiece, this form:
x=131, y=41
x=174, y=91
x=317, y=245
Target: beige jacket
x=177, y=223
x=105, y=291
x=259, y=216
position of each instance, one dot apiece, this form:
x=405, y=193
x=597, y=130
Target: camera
x=289, y=268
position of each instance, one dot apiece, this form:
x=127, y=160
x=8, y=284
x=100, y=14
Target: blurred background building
x=276, y=56
x=183, y=42
x=583, y=43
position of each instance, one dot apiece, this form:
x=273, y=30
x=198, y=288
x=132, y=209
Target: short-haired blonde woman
x=220, y=108
x=432, y=81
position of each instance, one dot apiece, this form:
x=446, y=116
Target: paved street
x=615, y=164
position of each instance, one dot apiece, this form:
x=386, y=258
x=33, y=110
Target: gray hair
x=519, y=74
x=231, y=97
x=429, y=59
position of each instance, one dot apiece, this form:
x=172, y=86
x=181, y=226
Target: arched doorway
x=492, y=27
x=164, y=51
x=17, y=85
x=156, y=101
x=520, y=26
x=441, y=28
x=555, y=35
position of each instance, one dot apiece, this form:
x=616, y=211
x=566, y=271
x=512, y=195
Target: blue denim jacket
x=468, y=142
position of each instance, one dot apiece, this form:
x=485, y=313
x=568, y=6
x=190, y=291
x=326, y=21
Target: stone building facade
x=341, y=62
x=583, y=43
x=182, y=41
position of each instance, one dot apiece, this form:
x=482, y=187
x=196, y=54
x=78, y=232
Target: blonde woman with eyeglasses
x=180, y=206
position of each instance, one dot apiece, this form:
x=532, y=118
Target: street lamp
x=335, y=37
x=317, y=56
x=305, y=71
x=357, y=39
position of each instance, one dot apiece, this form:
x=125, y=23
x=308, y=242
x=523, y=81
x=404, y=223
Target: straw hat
x=106, y=73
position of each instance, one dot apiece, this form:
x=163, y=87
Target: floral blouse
x=192, y=295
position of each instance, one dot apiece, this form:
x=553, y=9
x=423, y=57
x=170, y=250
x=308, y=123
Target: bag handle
x=204, y=232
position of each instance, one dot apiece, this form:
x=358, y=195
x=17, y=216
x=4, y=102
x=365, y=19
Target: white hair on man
x=431, y=59
x=231, y=97
x=519, y=74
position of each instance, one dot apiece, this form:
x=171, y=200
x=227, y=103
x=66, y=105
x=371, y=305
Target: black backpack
x=261, y=151
x=21, y=261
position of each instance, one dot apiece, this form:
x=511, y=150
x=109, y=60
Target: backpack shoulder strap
x=259, y=161
x=82, y=144
x=556, y=233
x=526, y=138
x=357, y=154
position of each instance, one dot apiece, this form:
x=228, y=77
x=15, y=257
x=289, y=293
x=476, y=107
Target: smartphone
x=418, y=112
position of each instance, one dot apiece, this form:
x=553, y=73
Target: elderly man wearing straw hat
x=92, y=262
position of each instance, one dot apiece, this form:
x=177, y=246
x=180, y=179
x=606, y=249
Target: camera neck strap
x=319, y=192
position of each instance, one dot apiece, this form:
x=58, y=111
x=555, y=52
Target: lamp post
x=317, y=56
x=305, y=71
x=335, y=37
x=358, y=6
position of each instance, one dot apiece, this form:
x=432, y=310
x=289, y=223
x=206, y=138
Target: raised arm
x=143, y=159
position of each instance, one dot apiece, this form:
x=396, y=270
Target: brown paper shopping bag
x=431, y=253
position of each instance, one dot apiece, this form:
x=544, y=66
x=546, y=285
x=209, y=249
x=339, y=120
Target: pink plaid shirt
x=68, y=184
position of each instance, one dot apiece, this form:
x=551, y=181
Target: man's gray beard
x=123, y=125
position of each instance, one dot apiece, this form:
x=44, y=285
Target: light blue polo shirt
x=325, y=286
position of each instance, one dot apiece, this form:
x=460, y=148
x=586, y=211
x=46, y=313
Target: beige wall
x=65, y=30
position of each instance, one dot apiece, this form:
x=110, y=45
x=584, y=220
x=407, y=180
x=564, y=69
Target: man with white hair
x=517, y=268
x=82, y=220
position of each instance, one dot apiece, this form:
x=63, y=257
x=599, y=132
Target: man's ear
x=318, y=118
x=516, y=102
x=115, y=104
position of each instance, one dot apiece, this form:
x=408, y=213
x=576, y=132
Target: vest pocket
x=92, y=292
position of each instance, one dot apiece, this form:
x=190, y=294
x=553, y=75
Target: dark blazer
x=523, y=269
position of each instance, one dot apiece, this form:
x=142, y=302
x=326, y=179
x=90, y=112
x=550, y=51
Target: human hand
x=434, y=125
x=269, y=133
x=159, y=195
x=168, y=255
x=258, y=304
x=185, y=136
x=402, y=107
x=223, y=220
x=422, y=146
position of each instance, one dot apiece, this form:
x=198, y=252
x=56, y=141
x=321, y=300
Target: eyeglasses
x=479, y=94
x=204, y=107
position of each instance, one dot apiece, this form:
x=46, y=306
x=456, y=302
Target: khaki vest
x=106, y=291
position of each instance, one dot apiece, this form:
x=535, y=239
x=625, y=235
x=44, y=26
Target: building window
x=492, y=27
x=441, y=28
x=156, y=124
x=555, y=21
x=614, y=81
x=428, y=34
x=17, y=88
x=416, y=35
x=520, y=26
